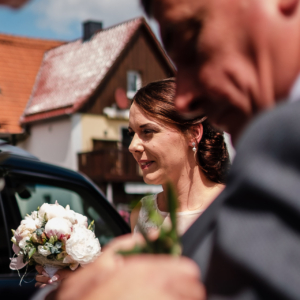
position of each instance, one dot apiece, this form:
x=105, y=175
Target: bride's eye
x=130, y=133
x=148, y=131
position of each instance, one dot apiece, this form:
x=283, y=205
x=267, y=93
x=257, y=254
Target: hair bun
x=212, y=154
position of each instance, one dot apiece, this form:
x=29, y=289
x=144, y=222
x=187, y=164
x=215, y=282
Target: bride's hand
x=43, y=278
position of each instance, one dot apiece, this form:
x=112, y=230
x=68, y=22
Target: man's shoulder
x=273, y=135
x=276, y=125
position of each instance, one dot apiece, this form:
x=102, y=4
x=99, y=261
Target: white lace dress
x=184, y=219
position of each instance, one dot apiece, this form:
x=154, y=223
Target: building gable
x=141, y=55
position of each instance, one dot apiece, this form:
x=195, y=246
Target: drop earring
x=194, y=147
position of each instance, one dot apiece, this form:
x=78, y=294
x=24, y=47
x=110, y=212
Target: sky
x=62, y=19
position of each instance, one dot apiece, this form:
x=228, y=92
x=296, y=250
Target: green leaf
x=168, y=241
x=51, y=241
x=58, y=245
x=55, y=250
x=31, y=252
x=13, y=231
x=91, y=226
x=39, y=231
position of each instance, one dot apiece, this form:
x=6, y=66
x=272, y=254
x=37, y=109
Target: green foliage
x=91, y=226
x=39, y=231
x=168, y=241
x=31, y=252
x=54, y=248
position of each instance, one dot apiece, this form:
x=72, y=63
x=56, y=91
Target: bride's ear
x=196, y=133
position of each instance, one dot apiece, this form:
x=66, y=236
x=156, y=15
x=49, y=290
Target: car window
x=29, y=196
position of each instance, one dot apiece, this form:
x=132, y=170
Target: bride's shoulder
x=147, y=198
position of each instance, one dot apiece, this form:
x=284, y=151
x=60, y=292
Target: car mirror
x=23, y=192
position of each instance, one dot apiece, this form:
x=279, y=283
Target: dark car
x=25, y=184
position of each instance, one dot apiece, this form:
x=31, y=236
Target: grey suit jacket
x=247, y=243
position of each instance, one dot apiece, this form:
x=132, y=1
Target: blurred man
x=235, y=59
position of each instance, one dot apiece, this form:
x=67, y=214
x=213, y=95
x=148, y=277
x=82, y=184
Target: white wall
x=56, y=141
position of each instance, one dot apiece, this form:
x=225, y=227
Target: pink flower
x=16, y=248
x=16, y=263
x=59, y=227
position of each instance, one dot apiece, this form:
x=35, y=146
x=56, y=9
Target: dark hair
x=157, y=100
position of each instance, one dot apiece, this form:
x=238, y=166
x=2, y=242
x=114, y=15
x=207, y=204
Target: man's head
x=234, y=57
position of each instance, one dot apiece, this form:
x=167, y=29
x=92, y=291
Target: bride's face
x=161, y=150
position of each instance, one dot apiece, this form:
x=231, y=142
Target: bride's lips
x=145, y=164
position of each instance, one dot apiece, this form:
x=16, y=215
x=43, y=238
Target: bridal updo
x=157, y=100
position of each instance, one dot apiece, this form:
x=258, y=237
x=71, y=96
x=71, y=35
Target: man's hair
x=147, y=5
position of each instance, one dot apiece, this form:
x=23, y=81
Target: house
x=20, y=60
x=77, y=114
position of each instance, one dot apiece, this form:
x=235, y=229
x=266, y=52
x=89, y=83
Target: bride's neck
x=194, y=191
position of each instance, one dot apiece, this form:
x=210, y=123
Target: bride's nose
x=136, y=144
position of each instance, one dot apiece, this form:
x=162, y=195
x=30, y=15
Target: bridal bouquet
x=54, y=237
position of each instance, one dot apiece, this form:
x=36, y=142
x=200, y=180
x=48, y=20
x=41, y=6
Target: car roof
x=5, y=147
x=16, y=158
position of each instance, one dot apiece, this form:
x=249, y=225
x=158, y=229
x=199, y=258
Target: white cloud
x=62, y=16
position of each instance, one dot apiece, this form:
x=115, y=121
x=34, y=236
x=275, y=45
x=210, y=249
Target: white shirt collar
x=295, y=91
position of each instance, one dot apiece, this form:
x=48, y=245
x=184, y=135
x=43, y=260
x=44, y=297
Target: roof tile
x=70, y=73
x=20, y=60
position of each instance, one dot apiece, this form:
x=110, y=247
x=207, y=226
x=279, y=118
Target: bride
x=189, y=153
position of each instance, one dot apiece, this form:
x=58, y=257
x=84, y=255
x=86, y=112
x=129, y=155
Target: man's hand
x=136, y=277
x=151, y=277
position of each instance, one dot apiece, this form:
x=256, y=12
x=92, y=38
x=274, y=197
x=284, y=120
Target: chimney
x=89, y=28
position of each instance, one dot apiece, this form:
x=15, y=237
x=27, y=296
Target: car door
x=24, y=191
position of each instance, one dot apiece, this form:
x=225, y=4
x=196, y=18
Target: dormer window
x=134, y=83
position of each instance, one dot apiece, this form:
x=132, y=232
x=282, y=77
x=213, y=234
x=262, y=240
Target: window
x=134, y=83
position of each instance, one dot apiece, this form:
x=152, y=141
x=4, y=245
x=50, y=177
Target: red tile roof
x=70, y=73
x=20, y=60
x=13, y=3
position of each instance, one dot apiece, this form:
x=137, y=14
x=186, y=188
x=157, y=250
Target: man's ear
x=196, y=133
x=288, y=7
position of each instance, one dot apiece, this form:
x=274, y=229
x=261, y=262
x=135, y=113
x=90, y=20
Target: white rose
x=71, y=216
x=23, y=242
x=76, y=218
x=27, y=227
x=60, y=227
x=52, y=211
x=72, y=263
x=82, y=220
x=43, y=250
x=34, y=216
x=83, y=247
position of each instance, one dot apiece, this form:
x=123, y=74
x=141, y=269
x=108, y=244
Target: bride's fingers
x=40, y=285
x=42, y=278
x=39, y=269
x=61, y=274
